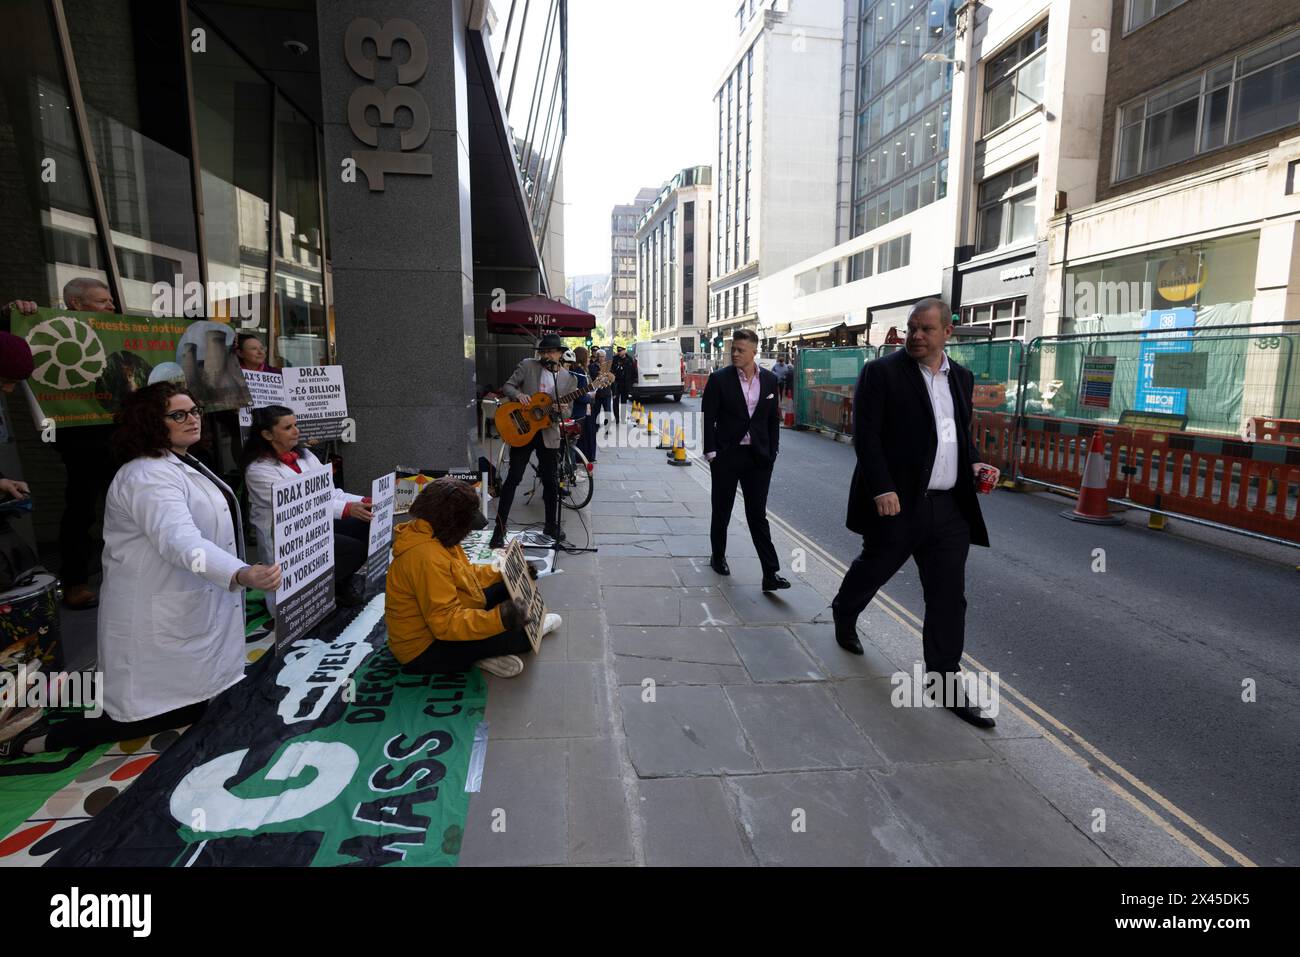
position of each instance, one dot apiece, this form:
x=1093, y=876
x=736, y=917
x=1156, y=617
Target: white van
x=659, y=369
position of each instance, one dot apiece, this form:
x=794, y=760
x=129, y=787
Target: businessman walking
x=742, y=426
x=914, y=492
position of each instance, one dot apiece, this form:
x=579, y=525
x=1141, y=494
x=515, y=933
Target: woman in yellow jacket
x=444, y=614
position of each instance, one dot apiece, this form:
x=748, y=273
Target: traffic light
x=590, y=340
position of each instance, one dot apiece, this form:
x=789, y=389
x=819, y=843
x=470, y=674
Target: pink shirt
x=751, y=390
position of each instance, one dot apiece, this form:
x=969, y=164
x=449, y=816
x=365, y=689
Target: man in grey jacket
x=543, y=374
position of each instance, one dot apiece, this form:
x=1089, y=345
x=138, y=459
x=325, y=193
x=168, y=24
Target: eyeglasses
x=180, y=415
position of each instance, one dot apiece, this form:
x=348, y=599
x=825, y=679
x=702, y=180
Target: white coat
x=261, y=477
x=171, y=630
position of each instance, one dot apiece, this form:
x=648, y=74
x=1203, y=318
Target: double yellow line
x=1121, y=781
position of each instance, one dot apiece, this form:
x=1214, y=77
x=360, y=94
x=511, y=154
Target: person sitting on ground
x=444, y=614
x=273, y=454
x=171, y=615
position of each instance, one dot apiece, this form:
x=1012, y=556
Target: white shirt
x=943, y=474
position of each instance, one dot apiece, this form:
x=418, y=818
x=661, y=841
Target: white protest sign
x=318, y=399
x=266, y=388
x=303, y=526
x=383, y=495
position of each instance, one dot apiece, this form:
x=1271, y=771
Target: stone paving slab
x=982, y=813
x=820, y=642
x=688, y=645
x=922, y=735
x=771, y=653
x=689, y=822
x=798, y=603
x=797, y=727
x=631, y=670
x=685, y=730
x=822, y=819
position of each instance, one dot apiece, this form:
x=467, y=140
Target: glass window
x=1144, y=11
x=1268, y=98
x=300, y=332
x=50, y=233
x=232, y=105
x=1007, y=208
x=138, y=118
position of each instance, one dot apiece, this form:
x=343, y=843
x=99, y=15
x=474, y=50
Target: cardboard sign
x=303, y=528
x=514, y=569
x=265, y=388
x=318, y=399
x=382, y=495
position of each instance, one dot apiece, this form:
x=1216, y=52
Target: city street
x=1144, y=661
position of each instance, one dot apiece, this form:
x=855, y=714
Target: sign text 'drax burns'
x=304, y=549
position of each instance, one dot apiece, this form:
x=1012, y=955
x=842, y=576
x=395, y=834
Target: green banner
x=86, y=363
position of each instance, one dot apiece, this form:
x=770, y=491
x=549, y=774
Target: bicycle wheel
x=576, y=483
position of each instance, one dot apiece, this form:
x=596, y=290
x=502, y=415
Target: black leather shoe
x=554, y=532
x=972, y=715
x=848, y=641
x=774, y=583
x=498, y=539
x=719, y=565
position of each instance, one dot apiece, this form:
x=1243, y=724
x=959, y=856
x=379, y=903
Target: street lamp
x=959, y=65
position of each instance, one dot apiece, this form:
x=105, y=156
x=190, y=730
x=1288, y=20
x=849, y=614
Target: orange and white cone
x=1092, y=506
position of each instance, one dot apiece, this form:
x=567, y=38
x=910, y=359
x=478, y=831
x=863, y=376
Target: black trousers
x=939, y=547
x=89, y=732
x=740, y=465
x=604, y=402
x=90, y=471
x=351, y=543
x=444, y=656
x=621, y=395
x=546, y=464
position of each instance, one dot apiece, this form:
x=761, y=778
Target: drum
x=29, y=623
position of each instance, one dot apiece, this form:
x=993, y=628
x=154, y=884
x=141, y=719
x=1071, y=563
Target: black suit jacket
x=895, y=438
x=727, y=419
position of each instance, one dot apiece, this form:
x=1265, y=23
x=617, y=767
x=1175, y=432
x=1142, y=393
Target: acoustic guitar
x=518, y=423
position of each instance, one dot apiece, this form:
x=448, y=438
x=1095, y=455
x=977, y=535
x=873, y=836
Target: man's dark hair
x=257, y=446
x=931, y=302
x=746, y=335
x=449, y=506
x=142, y=426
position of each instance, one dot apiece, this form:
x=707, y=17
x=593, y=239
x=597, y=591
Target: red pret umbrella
x=537, y=316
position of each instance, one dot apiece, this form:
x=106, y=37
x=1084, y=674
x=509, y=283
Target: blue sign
x=1165, y=330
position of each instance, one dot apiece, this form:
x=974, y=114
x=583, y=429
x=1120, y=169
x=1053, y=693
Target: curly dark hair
x=257, y=446
x=449, y=506
x=141, y=426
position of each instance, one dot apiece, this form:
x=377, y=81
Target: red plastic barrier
x=992, y=433
x=1244, y=485
x=1056, y=450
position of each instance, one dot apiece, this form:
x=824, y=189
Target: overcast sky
x=641, y=83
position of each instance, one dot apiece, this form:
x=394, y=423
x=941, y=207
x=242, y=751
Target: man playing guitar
x=543, y=374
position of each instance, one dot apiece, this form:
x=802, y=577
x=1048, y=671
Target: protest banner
x=304, y=549
x=318, y=399
x=514, y=569
x=86, y=363
x=382, y=494
x=265, y=388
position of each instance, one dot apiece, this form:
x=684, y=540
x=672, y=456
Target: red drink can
x=988, y=478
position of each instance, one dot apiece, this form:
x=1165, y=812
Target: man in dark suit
x=914, y=491
x=742, y=427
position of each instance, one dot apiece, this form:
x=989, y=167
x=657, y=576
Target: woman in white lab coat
x=272, y=454
x=171, y=611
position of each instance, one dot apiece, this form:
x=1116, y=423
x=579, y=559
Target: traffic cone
x=678, y=456
x=1092, y=506
x=665, y=438
x=650, y=423
x=694, y=393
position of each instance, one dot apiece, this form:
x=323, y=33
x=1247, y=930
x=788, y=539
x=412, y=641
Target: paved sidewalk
x=682, y=718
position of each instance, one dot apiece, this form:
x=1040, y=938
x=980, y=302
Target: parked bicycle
x=575, y=478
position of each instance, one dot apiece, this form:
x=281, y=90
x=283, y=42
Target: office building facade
x=620, y=304
x=672, y=242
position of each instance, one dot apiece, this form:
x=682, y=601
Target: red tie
x=291, y=459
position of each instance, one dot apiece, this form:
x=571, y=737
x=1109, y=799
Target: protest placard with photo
x=318, y=399
x=86, y=363
x=514, y=569
x=382, y=493
x=304, y=548
x=411, y=480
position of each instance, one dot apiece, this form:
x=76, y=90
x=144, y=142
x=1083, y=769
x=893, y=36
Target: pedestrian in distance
x=625, y=375
x=914, y=492
x=742, y=431
x=604, y=397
